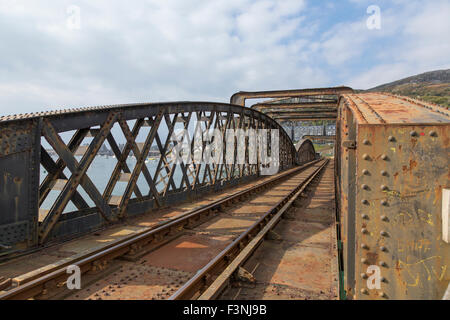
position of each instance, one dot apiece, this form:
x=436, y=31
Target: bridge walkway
x=57, y=254
x=302, y=263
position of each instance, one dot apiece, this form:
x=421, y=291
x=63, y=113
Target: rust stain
x=412, y=165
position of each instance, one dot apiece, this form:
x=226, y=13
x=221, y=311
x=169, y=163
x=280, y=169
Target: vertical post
x=19, y=184
x=292, y=131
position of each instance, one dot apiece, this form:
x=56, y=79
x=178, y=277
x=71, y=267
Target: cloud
x=153, y=50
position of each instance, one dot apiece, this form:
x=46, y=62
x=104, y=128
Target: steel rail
x=135, y=244
x=220, y=284
x=202, y=280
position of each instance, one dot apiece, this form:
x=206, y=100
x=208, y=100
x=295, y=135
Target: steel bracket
x=349, y=144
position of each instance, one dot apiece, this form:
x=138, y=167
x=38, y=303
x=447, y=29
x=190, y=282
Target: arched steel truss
x=305, y=151
x=23, y=154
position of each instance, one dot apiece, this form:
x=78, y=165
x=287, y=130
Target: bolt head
x=364, y=246
x=365, y=172
x=384, y=218
x=384, y=173
x=384, y=249
x=364, y=231
x=384, y=233
x=366, y=142
x=365, y=201
x=433, y=134
x=413, y=133
x=364, y=291
x=383, y=264
x=384, y=157
x=364, y=276
x=391, y=139
x=365, y=216
x=366, y=156
x=384, y=203
x=365, y=186
x=364, y=261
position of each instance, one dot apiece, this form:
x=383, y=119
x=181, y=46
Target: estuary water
x=100, y=172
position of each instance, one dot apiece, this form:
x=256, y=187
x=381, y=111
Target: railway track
x=192, y=256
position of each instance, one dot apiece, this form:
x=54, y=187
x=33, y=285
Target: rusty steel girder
x=24, y=223
x=306, y=117
x=280, y=107
x=393, y=165
x=302, y=114
x=240, y=97
x=320, y=138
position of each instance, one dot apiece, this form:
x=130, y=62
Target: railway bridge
x=204, y=200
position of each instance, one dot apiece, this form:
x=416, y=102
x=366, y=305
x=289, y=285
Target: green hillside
x=432, y=86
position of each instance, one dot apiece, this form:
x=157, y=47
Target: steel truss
x=21, y=158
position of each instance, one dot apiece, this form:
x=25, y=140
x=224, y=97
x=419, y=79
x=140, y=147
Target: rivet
x=364, y=291
x=382, y=295
x=383, y=279
x=384, y=233
x=433, y=133
x=413, y=133
x=384, y=157
x=365, y=172
x=365, y=202
x=384, y=249
x=365, y=186
x=383, y=264
x=391, y=139
x=365, y=261
x=383, y=187
x=364, y=276
x=364, y=230
x=365, y=216
x=384, y=202
x=366, y=156
x=384, y=173
x=364, y=246
x=384, y=218
x=366, y=142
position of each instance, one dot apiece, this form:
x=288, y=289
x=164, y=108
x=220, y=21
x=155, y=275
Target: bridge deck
x=59, y=253
x=303, y=263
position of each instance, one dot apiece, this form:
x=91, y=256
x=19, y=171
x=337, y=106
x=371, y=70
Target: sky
x=65, y=54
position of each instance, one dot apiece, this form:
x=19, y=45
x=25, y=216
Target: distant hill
x=431, y=86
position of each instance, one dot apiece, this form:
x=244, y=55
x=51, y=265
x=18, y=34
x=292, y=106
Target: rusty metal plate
x=252, y=210
x=15, y=138
x=188, y=253
x=301, y=267
x=401, y=171
x=134, y=282
x=226, y=225
x=274, y=292
x=306, y=232
x=374, y=107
